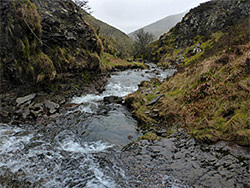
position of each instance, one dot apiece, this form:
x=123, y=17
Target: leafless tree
x=142, y=40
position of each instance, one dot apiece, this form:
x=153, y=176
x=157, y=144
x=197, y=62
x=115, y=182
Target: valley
x=79, y=110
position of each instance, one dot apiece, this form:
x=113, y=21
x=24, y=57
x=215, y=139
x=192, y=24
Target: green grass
x=210, y=100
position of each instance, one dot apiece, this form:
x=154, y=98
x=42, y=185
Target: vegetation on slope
x=203, y=25
x=115, y=42
x=47, y=45
x=211, y=100
x=210, y=95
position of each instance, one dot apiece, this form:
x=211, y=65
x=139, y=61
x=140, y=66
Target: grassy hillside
x=44, y=48
x=210, y=95
x=115, y=41
x=162, y=26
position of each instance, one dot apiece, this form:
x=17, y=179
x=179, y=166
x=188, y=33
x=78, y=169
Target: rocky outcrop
x=213, y=21
x=46, y=45
x=208, y=18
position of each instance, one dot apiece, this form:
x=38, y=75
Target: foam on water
x=86, y=99
x=122, y=84
x=112, y=89
x=60, y=157
x=42, y=161
x=92, y=147
x=10, y=142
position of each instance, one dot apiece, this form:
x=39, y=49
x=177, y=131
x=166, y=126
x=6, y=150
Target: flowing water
x=81, y=147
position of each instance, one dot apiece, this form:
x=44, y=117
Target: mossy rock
x=150, y=136
x=94, y=62
x=44, y=68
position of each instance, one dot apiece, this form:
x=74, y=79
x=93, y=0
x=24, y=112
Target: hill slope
x=49, y=46
x=112, y=37
x=162, y=26
x=210, y=95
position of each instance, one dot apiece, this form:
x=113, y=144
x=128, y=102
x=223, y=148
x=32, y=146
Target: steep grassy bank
x=48, y=46
x=209, y=97
x=210, y=100
x=43, y=46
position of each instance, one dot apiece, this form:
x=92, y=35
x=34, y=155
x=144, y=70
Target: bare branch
x=84, y=4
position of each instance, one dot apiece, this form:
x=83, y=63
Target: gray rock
x=113, y=99
x=54, y=116
x=4, y=113
x=22, y=100
x=25, y=113
x=51, y=106
x=155, y=100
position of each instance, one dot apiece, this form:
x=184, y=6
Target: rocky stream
x=92, y=142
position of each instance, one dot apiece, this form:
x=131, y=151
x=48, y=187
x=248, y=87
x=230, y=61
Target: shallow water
x=80, y=148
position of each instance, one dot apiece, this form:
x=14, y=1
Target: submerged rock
x=113, y=99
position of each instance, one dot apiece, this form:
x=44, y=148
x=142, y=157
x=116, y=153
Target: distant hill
x=162, y=26
x=115, y=38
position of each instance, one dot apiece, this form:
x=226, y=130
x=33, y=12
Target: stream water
x=81, y=148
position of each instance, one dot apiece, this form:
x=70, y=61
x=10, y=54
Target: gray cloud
x=129, y=15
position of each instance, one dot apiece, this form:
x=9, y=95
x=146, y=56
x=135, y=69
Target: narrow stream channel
x=81, y=147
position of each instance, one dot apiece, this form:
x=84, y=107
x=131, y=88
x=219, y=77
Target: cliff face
x=214, y=20
x=210, y=17
x=210, y=95
x=46, y=43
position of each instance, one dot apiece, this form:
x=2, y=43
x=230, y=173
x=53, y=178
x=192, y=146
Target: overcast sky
x=129, y=15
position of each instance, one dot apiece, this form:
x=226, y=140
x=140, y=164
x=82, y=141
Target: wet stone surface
x=181, y=162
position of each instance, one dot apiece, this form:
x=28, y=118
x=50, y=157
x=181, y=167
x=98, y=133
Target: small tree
x=83, y=4
x=142, y=40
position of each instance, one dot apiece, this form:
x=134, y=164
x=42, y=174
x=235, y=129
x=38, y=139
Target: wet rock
x=25, y=113
x=22, y=100
x=54, y=116
x=234, y=149
x=113, y=99
x=4, y=113
x=161, y=132
x=37, y=109
x=183, y=158
x=51, y=106
x=155, y=100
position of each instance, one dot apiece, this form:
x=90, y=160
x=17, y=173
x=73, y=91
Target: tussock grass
x=211, y=100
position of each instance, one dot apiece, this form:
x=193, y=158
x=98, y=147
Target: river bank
x=180, y=161
x=89, y=142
